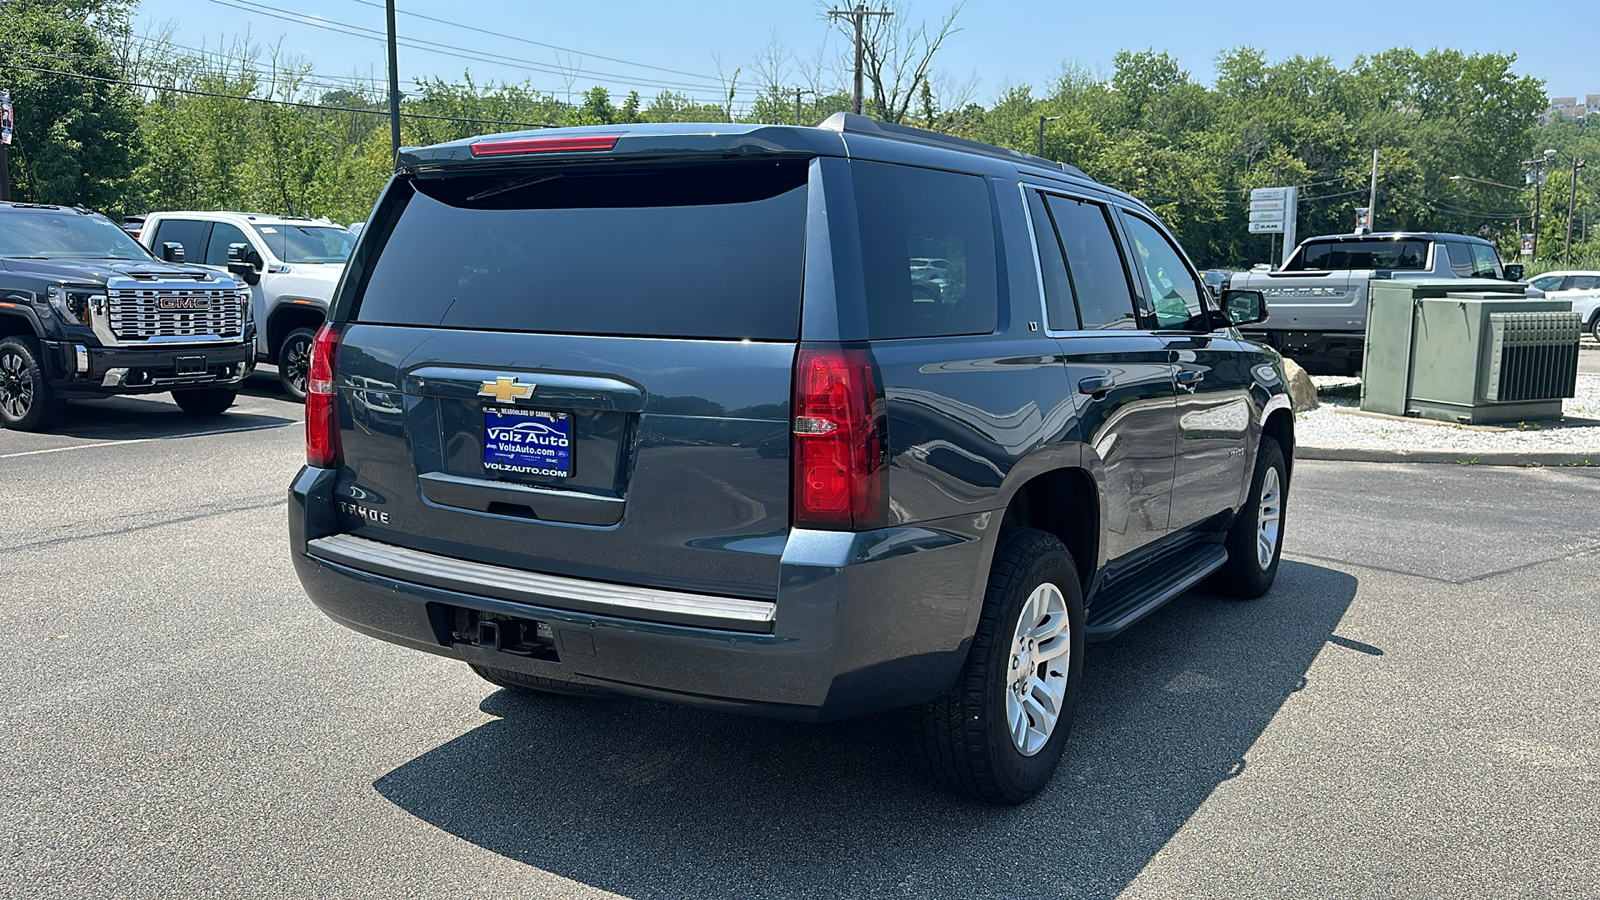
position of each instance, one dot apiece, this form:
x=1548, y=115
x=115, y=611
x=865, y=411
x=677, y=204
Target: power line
x=521, y=40
x=291, y=103
x=371, y=34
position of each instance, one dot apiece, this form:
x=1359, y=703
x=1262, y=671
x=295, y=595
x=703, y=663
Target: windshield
x=307, y=243
x=65, y=235
x=1374, y=254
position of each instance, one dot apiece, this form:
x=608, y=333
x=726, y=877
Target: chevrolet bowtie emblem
x=506, y=389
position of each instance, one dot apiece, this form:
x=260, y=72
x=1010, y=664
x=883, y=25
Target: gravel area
x=1333, y=426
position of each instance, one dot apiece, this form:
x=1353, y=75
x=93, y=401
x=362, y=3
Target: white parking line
x=170, y=437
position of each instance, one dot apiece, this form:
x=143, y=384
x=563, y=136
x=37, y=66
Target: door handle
x=1096, y=386
x=1190, y=377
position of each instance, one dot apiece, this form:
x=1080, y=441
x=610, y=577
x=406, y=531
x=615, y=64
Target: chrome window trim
x=554, y=591
x=1038, y=262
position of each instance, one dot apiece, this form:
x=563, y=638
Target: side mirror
x=172, y=252
x=239, y=263
x=1514, y=271
x=1244, y=307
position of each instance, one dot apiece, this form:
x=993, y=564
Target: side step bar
x=1133, y=598
x=553, y=591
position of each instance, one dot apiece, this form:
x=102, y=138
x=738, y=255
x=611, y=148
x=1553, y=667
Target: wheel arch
x=18, y=321
x=1064, y=502
x=1280, y=427
x=288, y=317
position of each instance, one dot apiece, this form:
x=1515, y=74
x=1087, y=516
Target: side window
x=223, y=234
x=1584, y=282
x=1461, y=261
x=927, y=252
x=1547, y=282
x=1487, y=261
x=1095, y=268
x=188, y=232
x=1173, y=289
x=1061, y=312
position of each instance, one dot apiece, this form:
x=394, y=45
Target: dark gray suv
x=664, y=410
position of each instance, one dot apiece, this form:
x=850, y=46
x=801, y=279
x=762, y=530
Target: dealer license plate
x=527, y=441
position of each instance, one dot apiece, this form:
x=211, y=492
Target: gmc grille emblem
x=183, y=303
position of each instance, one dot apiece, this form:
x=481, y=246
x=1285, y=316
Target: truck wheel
x=998, y=732
x=294, y=362
x=1255, y=543
x=26, y=401
x=534, y=684
x=205, y=401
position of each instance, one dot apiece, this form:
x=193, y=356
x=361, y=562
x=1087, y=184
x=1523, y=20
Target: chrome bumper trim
x=543, y=590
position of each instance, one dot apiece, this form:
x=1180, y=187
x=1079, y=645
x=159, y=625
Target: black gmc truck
x=86, y=312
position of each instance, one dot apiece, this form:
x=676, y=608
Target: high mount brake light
x=544, y=145
x=838, y=439
x=323, y=447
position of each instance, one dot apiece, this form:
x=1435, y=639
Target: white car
x=293, y=265
x=1581, y=287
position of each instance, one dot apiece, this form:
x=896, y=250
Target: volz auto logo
x=183, y=303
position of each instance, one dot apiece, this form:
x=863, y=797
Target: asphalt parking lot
x=1411, y=712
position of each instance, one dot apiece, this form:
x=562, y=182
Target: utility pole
x=1572, y=201
x=1372, y=195
x=394, y=86
x=1042, y=120
x=858, y=17
x=1538, y=163
x=797, y=93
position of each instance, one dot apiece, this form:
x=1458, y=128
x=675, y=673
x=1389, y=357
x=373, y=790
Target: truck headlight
x=73, y=304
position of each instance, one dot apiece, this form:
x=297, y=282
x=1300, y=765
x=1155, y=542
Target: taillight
x=838, y=439
x=323, y=449
x=545, y=145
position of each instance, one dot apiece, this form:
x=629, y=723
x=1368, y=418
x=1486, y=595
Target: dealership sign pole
x=7, y=127
x=1273, y=211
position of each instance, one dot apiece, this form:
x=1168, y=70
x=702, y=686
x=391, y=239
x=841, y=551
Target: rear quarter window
x=909, y=217
x=694, y=251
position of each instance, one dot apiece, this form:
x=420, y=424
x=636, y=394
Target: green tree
x=76, y=132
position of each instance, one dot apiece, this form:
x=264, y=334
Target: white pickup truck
x=1318, y=300
x=292, y=265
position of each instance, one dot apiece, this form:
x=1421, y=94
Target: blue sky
x=1000, y=43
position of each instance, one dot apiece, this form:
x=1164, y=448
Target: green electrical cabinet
x=1468, y=351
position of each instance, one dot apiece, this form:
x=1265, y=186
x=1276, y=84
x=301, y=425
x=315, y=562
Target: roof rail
x=850, y=123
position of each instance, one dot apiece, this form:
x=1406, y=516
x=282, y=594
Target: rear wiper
x=513, y=186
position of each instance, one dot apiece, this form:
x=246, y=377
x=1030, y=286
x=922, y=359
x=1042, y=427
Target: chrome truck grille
x=174, y=311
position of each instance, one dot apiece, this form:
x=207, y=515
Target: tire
x=1594, y=325
x=964, y=738
x=294, y=362
x=534, y=684
x=1252, y=567
x=26, y=401
x=205, y=401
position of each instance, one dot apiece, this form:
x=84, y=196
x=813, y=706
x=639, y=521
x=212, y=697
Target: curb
x=1572, y=459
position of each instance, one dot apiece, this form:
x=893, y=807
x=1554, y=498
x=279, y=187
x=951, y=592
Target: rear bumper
x=75, y=369
x=862, y=622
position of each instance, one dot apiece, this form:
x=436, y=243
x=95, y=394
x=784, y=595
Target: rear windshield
x=1375, y=254
x=698, y=251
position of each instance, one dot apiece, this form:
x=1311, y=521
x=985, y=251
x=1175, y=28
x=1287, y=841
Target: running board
x=1131, y=600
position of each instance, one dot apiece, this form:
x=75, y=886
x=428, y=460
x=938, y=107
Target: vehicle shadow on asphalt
x=639, y=798
x=156, y=416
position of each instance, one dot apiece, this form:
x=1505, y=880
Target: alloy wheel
x=1036, y=677
x=16, y=385
x=297, y=363
x=1269, y=518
